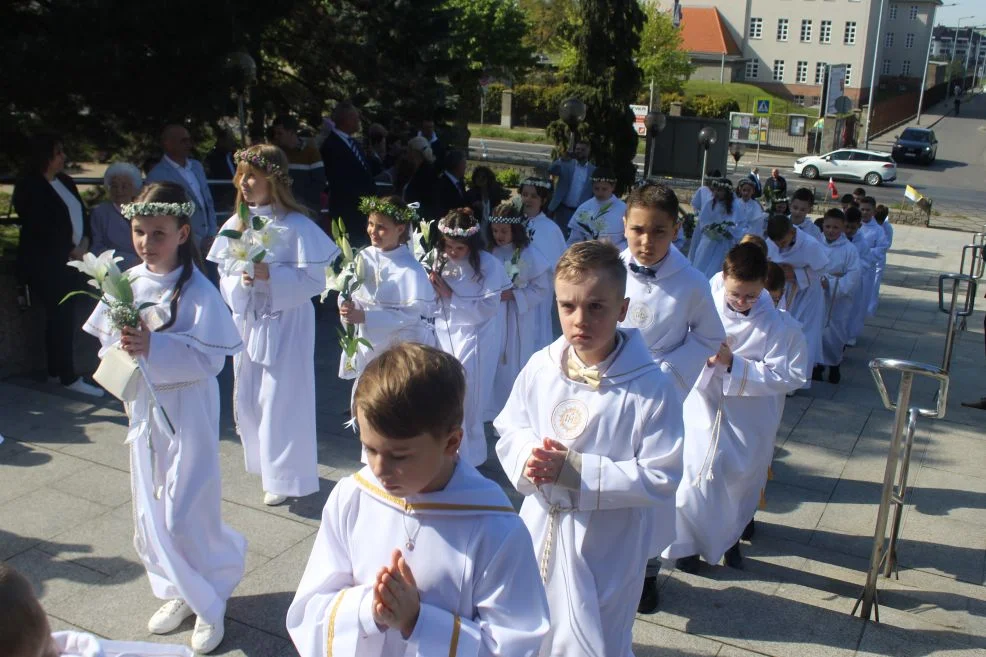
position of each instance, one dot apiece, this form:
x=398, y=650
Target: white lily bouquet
x=424, y=244
x=593, y=224
x=719, y=230
x=345, y=276
x=118, y=370
x=250, y=246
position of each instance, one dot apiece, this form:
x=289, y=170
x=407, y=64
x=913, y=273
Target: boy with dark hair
x=417, y=553
x=840, y=280
x=592, y=436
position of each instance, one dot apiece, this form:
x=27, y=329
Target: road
x=956, y=181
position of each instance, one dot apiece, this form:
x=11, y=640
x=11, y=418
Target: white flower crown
x=458, y=232
x=131, y=210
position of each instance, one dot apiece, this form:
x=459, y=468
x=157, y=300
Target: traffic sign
x=762, y=106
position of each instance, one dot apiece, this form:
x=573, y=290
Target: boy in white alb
x=841, y=282
x=25, y=632
x=802, y=202
x=417, y=553
x=591, y=435
x=803, y=259
x=601, y=217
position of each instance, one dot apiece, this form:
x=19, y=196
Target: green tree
x=488, y=38
x=608, y=79
x=660, y=56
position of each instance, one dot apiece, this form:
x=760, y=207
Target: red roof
x=703, y=30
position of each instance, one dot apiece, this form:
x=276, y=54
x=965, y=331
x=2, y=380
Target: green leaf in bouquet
x=231, y=234
x=260, y=256
x=258, y=222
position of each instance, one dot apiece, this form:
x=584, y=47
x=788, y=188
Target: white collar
x=188, y=163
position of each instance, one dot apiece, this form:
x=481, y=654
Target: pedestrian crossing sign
x=763, y=106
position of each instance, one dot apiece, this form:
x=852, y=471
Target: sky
x=950, y=15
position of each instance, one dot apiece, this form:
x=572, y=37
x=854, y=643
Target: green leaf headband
x=402, y=214
x=131, y=210
x=258, y=161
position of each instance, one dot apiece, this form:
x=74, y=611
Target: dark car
x=916, y=144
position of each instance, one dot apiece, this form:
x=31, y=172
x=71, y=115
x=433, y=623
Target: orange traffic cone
x=835, y=192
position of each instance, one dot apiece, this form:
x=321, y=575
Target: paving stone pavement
x=65, y=514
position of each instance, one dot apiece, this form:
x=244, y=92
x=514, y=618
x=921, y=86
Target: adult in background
x=178, y=166
x=451, y=185
x=574, y=184
x=219, y=166
x=347, y=170
x=437, y=145
x=418, y=169
x=777, y=184
x=305, y=164
x=54, y=230
x=110, y=229
x=484, y=194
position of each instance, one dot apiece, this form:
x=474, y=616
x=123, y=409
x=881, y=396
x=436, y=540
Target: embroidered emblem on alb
x=569, y=419
x=640, y=315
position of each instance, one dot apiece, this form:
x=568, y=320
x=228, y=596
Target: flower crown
x=722, y=183
x=536, y=182
x=449, y=231
x=508, y=219
x=257, y=160
x=402, y=214
x=131, y=210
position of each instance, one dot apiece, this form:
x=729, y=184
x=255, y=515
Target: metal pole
x=927, y=59
x=876, y=56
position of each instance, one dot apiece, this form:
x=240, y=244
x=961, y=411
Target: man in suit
x=777, y=184
x=179, y=167
x=347, y=171
x=574, y=184
x=451, y=185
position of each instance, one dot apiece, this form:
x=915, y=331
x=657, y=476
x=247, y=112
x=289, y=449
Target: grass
x=745, y=95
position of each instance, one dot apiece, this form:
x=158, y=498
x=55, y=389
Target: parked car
x=871, y=167
x=916, y=143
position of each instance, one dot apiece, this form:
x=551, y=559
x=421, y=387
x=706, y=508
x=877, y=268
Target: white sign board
x=639, y=114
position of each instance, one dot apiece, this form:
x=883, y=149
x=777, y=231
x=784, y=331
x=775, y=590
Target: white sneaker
x=270, y=499
x=84, y=388
x=169, y=617
x=205, y=637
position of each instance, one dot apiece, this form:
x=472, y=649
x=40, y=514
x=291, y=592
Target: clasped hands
x=396, y=601
x=545, y=462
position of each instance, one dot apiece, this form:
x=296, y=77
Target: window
x=849, y=38
x=778, y=70
x=913, y=14
x=756, y=28
x=782, y=29
x=802, y=73
x=893, y=12
x=752, y=69
x=848, y=74
x=886, y=67
x=806, y=30
x=909, y=40
x=905, y=68
x=890, y=40
x=820, y=73
x=825, y=32
x=799, y=100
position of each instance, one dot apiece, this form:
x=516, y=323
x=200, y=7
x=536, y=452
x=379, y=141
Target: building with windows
x=784, y=46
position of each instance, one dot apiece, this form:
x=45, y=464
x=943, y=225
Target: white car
x=871, y=167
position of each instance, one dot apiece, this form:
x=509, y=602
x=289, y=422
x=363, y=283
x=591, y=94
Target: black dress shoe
x=649, y=597
x=816, y=372
x=688, y=564
x=748, y=531
x=981, y=404
x=834, y=374
x=733, y=557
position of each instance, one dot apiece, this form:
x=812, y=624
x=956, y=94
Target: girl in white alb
x=469, y=282
x=530, y=278
x=396, y=302
x=192, y=559
x=274, y=379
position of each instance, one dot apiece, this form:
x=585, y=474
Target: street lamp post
x=655, y=122
x=876, y=56
x=572, y=113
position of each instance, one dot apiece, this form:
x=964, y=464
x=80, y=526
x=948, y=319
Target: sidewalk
x=65, y=514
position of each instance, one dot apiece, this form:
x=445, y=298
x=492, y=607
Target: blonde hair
x=281, y=195
x=750, y=238
x=412, y=389
x=583, y=258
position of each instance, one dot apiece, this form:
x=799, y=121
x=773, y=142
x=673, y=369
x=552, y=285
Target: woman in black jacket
x=54, y=229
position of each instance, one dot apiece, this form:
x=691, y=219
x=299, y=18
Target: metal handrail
x=884, y=553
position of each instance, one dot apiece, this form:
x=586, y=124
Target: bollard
x=894, y=491
x=953, y=311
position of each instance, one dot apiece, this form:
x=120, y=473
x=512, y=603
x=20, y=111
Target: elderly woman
x=54, y=230
x=110, y=229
